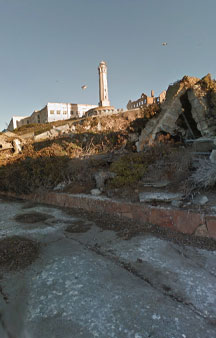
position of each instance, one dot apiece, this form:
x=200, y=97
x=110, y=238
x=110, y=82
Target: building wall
x=50, y=113
x=83, y=108
x=38, y=116
x=145, y=100
x=14, y=122
x=58, y=111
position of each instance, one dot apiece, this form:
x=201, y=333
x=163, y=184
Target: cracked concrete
x=94, y=284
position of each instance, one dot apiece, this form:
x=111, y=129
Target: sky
x=50, y=48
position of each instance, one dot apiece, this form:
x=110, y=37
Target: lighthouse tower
x=103, y=85
x=104, y=107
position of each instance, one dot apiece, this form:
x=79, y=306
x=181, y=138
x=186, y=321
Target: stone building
x=50, y=113
x=145, y=100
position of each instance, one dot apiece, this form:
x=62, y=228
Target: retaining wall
x=185, y=221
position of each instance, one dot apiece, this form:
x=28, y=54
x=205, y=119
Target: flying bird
x=84, y=87
x=164, y=44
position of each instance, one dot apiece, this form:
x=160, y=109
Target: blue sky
x=50, y=48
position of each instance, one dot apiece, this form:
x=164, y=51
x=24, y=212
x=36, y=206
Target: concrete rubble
x=101, y=177
x=159, y=196
x=96, y=192
x=200, y=200
x=17, y=146
x=9, y=141
x=42, y=136
x=213, y=156
x=62, y=129
x=188, y=111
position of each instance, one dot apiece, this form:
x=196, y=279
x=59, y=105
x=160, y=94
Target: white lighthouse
x=103, y=85
x=104, y=107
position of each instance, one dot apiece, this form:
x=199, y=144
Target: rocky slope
x=99, y=153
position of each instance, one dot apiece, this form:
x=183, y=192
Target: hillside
x=99, y=155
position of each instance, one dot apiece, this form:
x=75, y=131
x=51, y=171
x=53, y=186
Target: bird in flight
x=84, y=87
x=164, y=44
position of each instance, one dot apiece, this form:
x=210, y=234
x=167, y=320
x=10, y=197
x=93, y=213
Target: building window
x=51, y=111
x=27, y=121
x=58, y=111
x=64, y=112
x=38, y=118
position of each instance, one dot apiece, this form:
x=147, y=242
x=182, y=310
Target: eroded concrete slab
x=93, y=284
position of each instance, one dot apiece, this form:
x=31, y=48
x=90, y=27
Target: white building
x=50, y=113
x=13, y=122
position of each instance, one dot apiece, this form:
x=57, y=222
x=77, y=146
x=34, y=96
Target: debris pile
x=189, y=112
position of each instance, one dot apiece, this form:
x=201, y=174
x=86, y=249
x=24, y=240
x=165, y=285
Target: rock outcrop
x=189, y=111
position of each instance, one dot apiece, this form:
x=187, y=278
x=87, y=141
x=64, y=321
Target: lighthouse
x=103, y=85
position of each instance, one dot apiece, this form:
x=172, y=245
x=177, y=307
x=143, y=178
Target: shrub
x=25, y=176
x=204, y=176
x=129, y=169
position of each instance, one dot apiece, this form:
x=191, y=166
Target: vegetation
x=129, y=169
x=204, y=176
x=35, y=128
x=25, y=176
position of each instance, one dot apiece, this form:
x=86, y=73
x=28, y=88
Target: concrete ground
x=94, y=284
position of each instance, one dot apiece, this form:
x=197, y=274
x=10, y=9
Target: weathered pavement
x=93, y=284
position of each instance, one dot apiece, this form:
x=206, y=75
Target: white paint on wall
x=53, y=111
